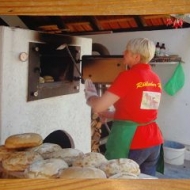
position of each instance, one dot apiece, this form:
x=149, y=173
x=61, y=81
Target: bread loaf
x=12, y=175
x=116, y=166
x=82, y=173
x=69, y=155
x=50, y=168
x=124, y=175
x=4, y=152
x=48, y=78
x=46, y=149
x=19, y=161
x=24, y=140
x=91, y=159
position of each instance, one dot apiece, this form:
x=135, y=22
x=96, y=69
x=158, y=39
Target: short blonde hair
x=142, y=46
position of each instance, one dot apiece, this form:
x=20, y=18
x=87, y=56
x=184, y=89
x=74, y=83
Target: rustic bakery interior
x=47, y=131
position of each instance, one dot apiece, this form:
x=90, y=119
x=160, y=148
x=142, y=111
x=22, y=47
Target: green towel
x=176, y=82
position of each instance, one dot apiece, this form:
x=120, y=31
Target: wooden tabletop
x=94, y=184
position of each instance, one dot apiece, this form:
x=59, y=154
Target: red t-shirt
x=139, y=90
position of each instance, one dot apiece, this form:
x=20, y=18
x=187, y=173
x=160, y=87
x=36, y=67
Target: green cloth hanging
x=176, y=82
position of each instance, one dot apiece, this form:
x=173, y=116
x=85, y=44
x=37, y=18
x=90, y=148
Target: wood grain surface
x=93, y=7
x=60, y=184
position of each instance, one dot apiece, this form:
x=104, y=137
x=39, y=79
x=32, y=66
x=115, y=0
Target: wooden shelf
x=166, y=60
x=165, y=63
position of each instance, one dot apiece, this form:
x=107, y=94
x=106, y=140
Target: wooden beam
x=13, y=21
x=93, y=7
x=94, y=184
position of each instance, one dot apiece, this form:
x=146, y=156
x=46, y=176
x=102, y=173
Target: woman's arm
x=100, y=104
x=106, y=116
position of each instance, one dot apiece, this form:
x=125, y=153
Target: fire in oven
x=54, y=70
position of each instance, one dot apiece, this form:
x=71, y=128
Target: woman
x=135, y=94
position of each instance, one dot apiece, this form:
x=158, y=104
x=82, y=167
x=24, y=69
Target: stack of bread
x=26, y=156
x=14, y=155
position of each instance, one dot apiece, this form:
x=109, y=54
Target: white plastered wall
x=67, y=112
x=174, y=114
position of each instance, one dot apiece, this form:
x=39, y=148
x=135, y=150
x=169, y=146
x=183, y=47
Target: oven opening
x=53, y=71
x=56, y=65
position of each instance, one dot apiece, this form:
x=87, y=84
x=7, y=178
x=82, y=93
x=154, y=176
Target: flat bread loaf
x=124, y=175
x=48, y=78
x=69, y=155
x=24, y=140
x=50, y=168
x=91, y=159
x=19, y=161
x=4, y=152
x=46, y=149
x=115, y=166
x=82, y=173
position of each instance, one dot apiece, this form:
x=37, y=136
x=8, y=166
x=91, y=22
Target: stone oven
x=30, y=104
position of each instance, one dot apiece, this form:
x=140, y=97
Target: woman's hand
x=106, y=116
x=90, y=89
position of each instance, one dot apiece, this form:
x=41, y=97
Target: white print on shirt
x=150, y=100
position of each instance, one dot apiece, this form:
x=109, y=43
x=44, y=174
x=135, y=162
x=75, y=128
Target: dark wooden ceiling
x=84, y=25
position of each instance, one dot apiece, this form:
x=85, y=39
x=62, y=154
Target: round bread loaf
x=116, y=166
x=20, y=160
x=24, y=140
x=124, y=175
x=48, y=78
x=69, y=155
x=12, y=175
x=91, y=159
x=82, y=173
x=50, y=168
x=46, y=149
x=4, y=152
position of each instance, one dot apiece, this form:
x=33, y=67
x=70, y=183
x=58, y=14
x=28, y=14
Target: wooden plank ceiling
x=84, y=25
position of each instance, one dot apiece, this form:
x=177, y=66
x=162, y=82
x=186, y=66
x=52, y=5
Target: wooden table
x=94, y=184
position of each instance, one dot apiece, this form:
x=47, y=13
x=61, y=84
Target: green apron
x=119, y=141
